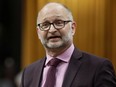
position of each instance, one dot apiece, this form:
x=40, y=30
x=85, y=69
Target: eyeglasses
x=58, y=24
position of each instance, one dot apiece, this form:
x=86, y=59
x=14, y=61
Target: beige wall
x=96, y=28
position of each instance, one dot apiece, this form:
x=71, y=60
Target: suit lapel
x=38, y=74
x=72, y=69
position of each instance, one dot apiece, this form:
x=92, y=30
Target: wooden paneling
x=90, y=26
x=30, y=43
x=113, y=31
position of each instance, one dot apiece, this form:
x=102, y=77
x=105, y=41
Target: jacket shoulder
x=32, y=67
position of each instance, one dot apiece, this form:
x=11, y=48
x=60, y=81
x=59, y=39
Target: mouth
x=54, y=38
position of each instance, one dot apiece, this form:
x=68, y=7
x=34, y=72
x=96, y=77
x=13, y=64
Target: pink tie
x=51, y=78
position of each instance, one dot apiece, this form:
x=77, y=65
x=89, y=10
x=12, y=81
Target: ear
x=73, y=27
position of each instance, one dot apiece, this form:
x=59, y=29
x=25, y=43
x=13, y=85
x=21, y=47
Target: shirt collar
x=65, y=56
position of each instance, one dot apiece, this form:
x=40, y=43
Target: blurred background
x=19, y=44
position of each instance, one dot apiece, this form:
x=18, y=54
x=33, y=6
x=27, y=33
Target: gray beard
x=54, y=46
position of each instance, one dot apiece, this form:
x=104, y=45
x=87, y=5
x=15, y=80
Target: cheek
x=68, y=31
x=65, y=34
x=41, y=34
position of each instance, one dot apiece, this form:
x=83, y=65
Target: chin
x=54, y=45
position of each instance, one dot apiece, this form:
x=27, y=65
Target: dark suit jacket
x=84, y=70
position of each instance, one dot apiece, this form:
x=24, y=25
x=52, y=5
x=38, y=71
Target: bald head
x=54, y=4
x=53, y=9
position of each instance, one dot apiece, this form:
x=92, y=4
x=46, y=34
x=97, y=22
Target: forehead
x=52, y=12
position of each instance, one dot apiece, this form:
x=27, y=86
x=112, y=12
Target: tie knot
x=54, y=62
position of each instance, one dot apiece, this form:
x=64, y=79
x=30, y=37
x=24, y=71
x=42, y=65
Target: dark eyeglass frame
x=55, y=26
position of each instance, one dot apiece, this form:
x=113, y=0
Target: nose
x=52, y=29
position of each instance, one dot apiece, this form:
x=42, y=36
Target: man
x=56, y=27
